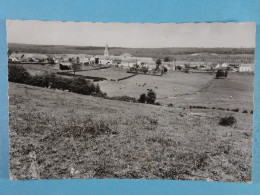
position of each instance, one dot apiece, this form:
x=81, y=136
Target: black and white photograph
x=131, y=100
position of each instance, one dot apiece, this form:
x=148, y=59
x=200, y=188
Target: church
x=106, y=52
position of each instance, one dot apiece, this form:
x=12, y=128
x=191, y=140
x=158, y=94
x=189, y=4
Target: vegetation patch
x=228, y=121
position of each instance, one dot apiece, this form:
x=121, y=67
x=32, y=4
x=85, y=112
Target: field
x=182, y=89
x=38, y=69
x=108, y=73
x=57, y=134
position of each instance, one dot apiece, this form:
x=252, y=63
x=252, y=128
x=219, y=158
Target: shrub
x=227, y=121
x=84, y=127
x=151, y=97
x=78, y=85
x=142, y=98
x=157, y=103
x=252, y=112
x=213, y=108
x=18, y=74
x=123, y=98
x=81, y=86
x=244, y=111
x=235, y=110
x=170, y=105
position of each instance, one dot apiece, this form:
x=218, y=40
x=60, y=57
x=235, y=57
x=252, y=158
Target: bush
x=170, y=105
x=123, y=98
x=142, y=98
x=235, y=110
x=78, y=85
x=18, y=74
x=151, y=97
x=244, y=111
x=252, y=112
x=228, y=121
x=157, y=103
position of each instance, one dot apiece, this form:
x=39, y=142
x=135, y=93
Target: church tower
x=106, y=53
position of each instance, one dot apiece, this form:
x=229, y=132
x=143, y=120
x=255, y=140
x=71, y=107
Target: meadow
x=77, y=136
x=108, y=73
x=167, y=86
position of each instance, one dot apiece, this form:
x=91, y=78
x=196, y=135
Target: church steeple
x=106, y=53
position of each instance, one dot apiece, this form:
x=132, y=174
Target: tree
x=151, y=97
x=76, y=65
x=187, y=68
x=18, y=74
x=51, y=60
x=9, y=52
x=142, y=98
x=145, y=70
x=167, y=59
x=165, y=69
x=158, y=63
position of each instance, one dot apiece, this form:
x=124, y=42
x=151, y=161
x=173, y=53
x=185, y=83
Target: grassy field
x=234, y=92
x=76, y=136
x=108, y=73
x=169, y=85
x=182, y=89
x=38, y=69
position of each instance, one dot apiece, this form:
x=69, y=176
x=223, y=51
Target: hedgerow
x=78, y=85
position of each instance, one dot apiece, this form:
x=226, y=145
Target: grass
x=110, y=73
x=102, y=138
x=167, y=87
x=234, y=92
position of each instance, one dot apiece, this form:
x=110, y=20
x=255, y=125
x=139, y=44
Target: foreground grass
x=75, y=136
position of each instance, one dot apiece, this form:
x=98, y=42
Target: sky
x=135, y=35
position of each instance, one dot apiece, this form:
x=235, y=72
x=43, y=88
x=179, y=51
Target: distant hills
x=139, y=52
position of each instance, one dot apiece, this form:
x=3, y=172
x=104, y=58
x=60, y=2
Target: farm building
x=169, y=65
x=84, y=60
x=34, y=57
x=105, y=62
x=16, y=57
x=224, y=65
x=246, y=68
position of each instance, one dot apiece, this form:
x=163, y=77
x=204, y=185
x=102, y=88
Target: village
x=198, y=62
x=96, y=110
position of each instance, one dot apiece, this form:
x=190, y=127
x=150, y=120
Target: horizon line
x=134, y=47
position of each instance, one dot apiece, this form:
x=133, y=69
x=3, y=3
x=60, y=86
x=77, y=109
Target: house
x=14, y=57
x=84, y=60
x=245, y=68
x=224, y=65
x=105, y=62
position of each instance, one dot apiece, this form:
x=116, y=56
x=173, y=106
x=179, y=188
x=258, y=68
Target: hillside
x=111, y=139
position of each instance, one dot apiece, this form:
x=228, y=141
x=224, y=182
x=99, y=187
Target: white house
x=245, y=68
